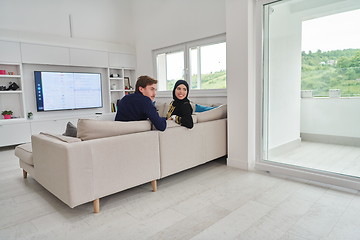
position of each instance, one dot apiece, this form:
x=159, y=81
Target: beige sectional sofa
x=108, y=156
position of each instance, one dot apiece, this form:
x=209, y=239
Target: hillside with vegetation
x=216, y=80
x=338, y=69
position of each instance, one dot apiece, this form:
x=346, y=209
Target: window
x=170, y=67
x=208, y=66
x=201, y=63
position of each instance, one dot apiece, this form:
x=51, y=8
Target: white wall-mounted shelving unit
x=12, y=99
x=40, y=57
x=118, y=85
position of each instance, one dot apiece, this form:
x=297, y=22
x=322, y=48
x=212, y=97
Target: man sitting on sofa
x=139, y=106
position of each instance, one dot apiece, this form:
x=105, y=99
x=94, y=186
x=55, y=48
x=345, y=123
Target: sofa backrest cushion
x=160, y=108
x=213, y=114
x=92, y=129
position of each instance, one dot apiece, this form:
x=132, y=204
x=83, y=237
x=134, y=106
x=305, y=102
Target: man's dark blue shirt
x=137, y=107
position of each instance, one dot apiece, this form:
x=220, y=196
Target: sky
x=334, y=32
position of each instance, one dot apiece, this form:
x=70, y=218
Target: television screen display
x=67, y=90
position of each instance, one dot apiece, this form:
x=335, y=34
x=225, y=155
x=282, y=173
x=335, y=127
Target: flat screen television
x=67, y=90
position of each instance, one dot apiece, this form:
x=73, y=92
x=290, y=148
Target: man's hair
x=144, y=81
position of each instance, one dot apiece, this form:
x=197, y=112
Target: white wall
x=161, y=23
x=285, y=76
x=331, y=116
x=102, y=25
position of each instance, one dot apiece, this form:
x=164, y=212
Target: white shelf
x=10, y=92
x=10, y=76
x=11, y=121
x=116, y=90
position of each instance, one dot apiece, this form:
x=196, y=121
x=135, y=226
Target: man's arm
x=152, y=114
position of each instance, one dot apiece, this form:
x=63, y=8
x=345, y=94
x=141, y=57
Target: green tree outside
x=338, y=69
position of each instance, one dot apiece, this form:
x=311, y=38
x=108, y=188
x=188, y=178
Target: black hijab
x=178, y=102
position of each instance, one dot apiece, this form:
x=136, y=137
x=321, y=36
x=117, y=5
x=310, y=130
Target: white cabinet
x=41, y=54
x=11, y=99
x=15, y=133
x=10, y=52
x=122, y=60
x=121, y=83
x=88, y=58
x=56, y=126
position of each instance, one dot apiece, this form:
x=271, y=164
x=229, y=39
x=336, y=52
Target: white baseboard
x=276, y=151
x=348, y=141
x=241, y=164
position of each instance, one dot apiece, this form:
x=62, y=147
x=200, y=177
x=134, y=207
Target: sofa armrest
x=64, y=169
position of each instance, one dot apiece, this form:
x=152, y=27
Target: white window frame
x=186, y=48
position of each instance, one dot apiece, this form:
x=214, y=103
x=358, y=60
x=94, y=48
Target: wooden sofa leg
x=154, y=186
x=24, y=174
x=96, y=205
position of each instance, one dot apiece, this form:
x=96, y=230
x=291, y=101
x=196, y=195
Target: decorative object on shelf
x=2, y=88
x=11, y=73
x=113, y=86
x=13, y=86
x=114, y=75
x=127, y=83
x=7, y=114
x=2, y=72
x=30, y=115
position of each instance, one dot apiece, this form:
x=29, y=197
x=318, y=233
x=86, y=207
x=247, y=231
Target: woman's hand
x=173, y=117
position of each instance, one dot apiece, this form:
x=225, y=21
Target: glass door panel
x=311, y=87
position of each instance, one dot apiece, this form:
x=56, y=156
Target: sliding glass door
x=311, y=87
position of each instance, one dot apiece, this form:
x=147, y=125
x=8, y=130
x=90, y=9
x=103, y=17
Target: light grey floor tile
x=278, y=221
x=236, y=222
x=70, y=229
x=278, y=193
x=18, y=231
x=350, y=220
x=343, y=234
x=146, y=229
x=289, y=236
x=309, y=193
x=318, y=221
x=192, y=225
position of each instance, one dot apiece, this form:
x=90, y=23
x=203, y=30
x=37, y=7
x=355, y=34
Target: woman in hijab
x=180, y=109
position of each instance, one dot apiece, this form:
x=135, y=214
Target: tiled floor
x=211, y=201
x=322, y=156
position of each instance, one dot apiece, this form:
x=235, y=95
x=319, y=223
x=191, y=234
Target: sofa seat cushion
x=93, y=129
x=24, y=152
x=213, y=114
